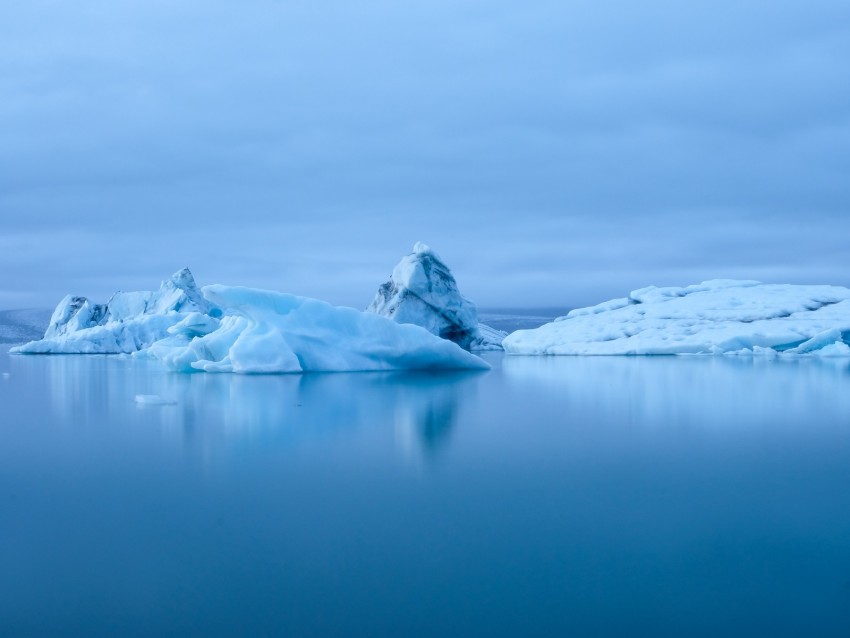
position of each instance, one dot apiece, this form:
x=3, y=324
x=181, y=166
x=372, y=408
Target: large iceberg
x=714, y=317
x=272, y=332
x=232, y=329
x=422, y=291
x=128, y=322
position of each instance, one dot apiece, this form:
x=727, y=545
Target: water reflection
x=686, y=391
x=422, y=407
x=427, y=410
x=667, y=489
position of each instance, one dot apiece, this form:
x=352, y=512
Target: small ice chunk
x=6, y=375
x=818, y=342
x=837, y=349
x=153, y=399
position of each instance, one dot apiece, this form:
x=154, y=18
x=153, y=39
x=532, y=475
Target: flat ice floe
x=715, y=317
x=272, y=332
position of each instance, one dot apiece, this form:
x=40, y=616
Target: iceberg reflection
x=421, y=407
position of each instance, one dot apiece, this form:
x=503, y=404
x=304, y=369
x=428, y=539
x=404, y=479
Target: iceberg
x=128, y=322
x=265, y=332
x=242, y=330
x=714, y=317
x=422, y=291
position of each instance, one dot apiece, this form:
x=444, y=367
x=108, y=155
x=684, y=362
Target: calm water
x=549, y=497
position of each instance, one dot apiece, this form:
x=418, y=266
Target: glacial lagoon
x=550, y=496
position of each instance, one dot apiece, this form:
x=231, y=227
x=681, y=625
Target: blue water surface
x=551, y=496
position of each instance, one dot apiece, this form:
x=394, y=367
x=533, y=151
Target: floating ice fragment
x=153, y=399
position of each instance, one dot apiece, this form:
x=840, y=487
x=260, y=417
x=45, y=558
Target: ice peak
x=422, y=290
x=183, y=279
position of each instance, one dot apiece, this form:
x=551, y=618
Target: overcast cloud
x=554, y=153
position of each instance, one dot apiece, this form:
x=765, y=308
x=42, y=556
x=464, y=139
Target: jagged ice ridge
x=128, y=322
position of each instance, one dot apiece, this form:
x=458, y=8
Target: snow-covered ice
x=273, y=332
x=422, y=291
x=715, y=317
x=128, y=322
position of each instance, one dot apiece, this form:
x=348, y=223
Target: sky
x=554, y=153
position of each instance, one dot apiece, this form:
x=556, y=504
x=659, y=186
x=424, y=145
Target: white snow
x=422, y=291
x=127, y=323
x=715, y=317
x=272, y=332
